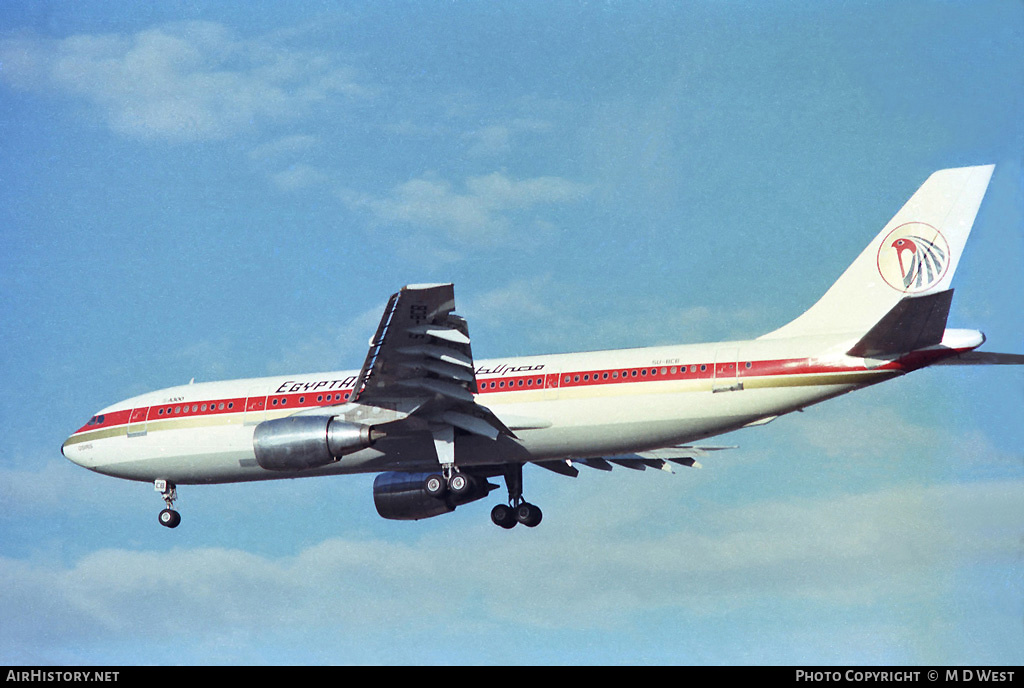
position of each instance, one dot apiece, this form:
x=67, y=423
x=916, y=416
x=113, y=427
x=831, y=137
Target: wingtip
x=425, y=285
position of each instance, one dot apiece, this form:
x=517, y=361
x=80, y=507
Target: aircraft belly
x=617, y=424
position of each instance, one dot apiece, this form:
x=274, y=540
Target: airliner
x=436, y=425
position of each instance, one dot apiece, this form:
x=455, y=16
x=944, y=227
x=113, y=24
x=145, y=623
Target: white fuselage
x=562, y=406
x=435, y=423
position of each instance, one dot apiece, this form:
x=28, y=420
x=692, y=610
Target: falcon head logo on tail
x=913, y=258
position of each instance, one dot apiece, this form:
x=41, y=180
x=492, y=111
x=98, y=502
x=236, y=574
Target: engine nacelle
x=296, y=443
x=403, y=497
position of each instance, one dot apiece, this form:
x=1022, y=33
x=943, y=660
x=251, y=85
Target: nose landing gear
x=168, y=517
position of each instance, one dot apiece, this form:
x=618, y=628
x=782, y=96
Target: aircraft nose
x=77, y=451
x=66, y=450
x=90, y=445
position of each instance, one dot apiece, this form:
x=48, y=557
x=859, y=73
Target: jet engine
x=404, y=497
x=296, y=443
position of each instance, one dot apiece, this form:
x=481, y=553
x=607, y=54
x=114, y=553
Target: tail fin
x=915, y=255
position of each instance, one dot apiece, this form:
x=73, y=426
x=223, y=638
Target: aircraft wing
x=682, y=454
x=420, y=361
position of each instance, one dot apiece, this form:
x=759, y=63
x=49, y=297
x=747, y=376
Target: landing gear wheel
x=504, y=516
x=435, y=485
x=517, y=510
x=459, y=484
x=529, y=515
x=170, y=518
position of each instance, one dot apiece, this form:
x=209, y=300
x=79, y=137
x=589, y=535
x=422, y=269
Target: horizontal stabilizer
x=983, y=358
x=913, y=323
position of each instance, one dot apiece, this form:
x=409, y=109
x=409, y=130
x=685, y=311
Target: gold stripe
x=813, y=379
x=535, y=395
x=96, y=435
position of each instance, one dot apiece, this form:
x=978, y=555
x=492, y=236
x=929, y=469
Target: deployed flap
x=560, y=466
x=420, y=344
x=913, y=323
x=420, y=357
x=683, y=455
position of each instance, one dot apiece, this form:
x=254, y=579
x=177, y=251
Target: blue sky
x=210, y=190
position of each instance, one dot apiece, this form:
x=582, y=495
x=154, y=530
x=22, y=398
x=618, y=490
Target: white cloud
x=490, y=140
x=345, y=348
x=181, y=82
x=44, y=488
x=285, y=146
x=300, y=176
x=517, y=301
x=480, y=211
x=496, y=139
x=548, y=316
x=856, y=550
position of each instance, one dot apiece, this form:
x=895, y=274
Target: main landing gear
x=168, y=517
x=517, y=510
x=451, y=481
x=448, y=480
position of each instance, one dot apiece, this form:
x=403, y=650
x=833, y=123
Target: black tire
x=503, y=515
x=459, y=484
x=169, y=518
x=435, y=486
x=529, y=515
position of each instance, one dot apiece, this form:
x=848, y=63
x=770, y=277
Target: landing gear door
x=726, y=377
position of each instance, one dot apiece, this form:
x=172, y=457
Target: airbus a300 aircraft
x=437, y=424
